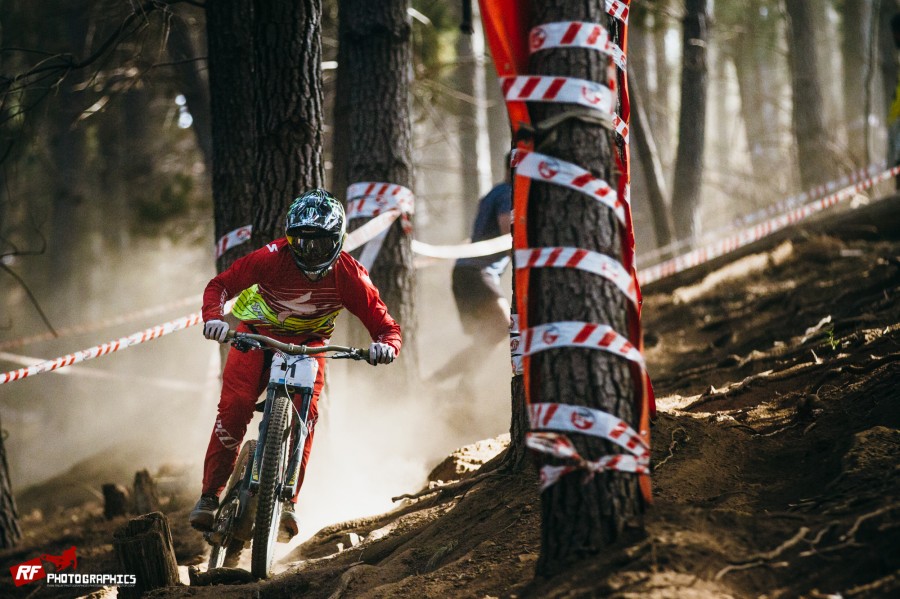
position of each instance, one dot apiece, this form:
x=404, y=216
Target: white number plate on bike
x=297, y=371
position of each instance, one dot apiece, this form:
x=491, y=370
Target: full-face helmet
x=315, y=227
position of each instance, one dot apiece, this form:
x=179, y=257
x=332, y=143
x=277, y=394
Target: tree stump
x=143, y=547
x=115, y=500
x=146, y=497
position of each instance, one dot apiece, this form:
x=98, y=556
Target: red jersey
x=277, y=299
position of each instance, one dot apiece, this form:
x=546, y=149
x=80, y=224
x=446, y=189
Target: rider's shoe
x=289, y=525
x=204, y=513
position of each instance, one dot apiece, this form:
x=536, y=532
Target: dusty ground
x=775, y=457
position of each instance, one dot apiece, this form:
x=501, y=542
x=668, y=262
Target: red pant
x=245, y=377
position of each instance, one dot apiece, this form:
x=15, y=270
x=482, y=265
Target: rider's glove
x=215, y=330
x=380, y=353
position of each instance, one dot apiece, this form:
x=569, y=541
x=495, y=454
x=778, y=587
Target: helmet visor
x=314, y=251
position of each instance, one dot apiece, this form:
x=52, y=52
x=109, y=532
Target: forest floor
x=775, y=457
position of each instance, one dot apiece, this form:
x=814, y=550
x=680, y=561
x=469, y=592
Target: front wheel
x=271, y=472
x=226, y=550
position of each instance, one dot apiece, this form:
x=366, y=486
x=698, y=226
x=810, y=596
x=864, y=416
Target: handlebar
x=296, y=350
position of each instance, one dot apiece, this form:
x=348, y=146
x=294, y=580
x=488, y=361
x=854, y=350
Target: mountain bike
x=266, y=472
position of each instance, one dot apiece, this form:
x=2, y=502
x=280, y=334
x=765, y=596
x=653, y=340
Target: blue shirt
x=496, y=202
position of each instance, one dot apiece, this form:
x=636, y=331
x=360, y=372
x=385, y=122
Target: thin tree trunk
x=580, y=517
x=692, y=120
x=814, y=147
x=645, y=148
x=193, y=82
x=661, y=116
x=855, y=43
x=375, y=61
x=471, y=117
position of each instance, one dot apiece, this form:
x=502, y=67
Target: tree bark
x=375, y=61
x=691, y=121
x=233, y=96
x=814, y=147
x=580, y=518
x=10, y=532
x=287, y=45
x=143, y=547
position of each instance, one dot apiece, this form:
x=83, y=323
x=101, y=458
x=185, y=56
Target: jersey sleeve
x=361, y=298
x=228, y=284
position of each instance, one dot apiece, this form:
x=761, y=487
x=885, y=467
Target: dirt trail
x=775, y=455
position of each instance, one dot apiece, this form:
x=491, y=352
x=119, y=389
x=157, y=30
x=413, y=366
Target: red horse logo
x=68, y=559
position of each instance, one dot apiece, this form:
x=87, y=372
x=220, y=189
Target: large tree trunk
x=287, y=45
x=814, y=148
x=233, y=96
x=691, y=121
x=10, y=533
x=375, y=58
x=580, y=517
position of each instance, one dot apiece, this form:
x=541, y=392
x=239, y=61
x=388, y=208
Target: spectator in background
x=480, y=302
x=894, y=112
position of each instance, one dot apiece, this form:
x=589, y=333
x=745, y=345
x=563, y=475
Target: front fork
x=299, y=433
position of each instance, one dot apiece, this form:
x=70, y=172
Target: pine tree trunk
x=233, y=95
x=579, y=519
x=686, y=187
x=645, y=150
x=10, y=532
x=375, y=53
x=814, y=149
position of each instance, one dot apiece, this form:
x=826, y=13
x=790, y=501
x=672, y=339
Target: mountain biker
x=292, y=290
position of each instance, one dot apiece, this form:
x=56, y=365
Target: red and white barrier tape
x=857, y=176
x=757, y=232
x=546, y=169
x=560, y=446
x=102, y=350
x=169, y=384
x=578, y=334
x=233, y=239
x=588, y=421
x=377, y=199
x=104, y=324
x=586, y=260
x=533, y=88
x=575, y=34
x=618, y=9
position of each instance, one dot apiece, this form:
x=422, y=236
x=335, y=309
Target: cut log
x=115, y=500
x=146, y=497
x=143, y=547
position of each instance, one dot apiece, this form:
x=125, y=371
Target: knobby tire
x=229, y=553
x=268, y=507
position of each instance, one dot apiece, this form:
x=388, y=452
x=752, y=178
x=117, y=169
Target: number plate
x=297, y=371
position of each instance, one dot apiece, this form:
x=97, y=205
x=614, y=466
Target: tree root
x=672, y=446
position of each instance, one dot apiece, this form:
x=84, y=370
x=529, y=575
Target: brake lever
x=243, y=344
